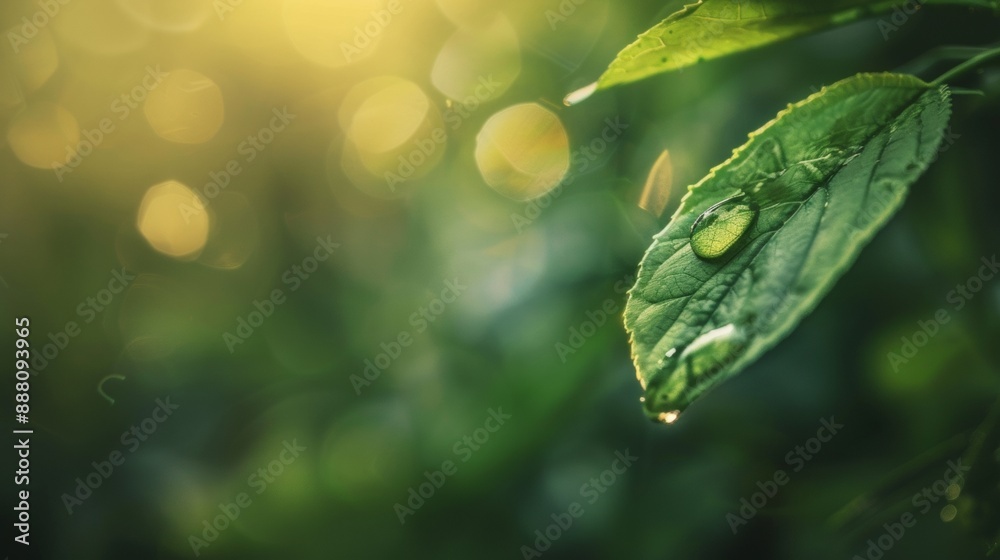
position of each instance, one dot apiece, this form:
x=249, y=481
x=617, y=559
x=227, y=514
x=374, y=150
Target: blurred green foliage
x=495, y=345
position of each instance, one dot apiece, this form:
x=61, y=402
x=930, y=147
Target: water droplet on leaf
x=668, y=393
x=720, y=227
x=712, y=351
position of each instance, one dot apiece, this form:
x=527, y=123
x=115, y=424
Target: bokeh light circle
x=394, y=134
x=44, y=135
x=479, y=63
x=174, y=220
x=335, y=33
x=382, y=114
x=185, y=107
x=523, y=151
x=175, y=16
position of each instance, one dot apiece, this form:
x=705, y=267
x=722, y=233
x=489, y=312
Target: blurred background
x=337, y=240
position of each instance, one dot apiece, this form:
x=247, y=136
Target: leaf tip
x=580, y=95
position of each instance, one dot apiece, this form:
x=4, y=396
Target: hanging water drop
x=669, y=417
x=720, y=227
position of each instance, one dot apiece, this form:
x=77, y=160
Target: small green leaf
x=714, y=28
x=791, y=210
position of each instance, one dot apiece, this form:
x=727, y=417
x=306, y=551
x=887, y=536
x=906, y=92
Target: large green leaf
x=813, y=186
x=714, y=28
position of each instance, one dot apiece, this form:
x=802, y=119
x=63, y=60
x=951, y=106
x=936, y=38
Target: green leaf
x=714, y=28
x=819, y=180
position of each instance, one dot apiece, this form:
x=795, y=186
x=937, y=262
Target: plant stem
x=966, y=66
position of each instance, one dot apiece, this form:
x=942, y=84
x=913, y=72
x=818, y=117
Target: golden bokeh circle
x=523, y=151
x=174, y=220
x=185, y=107
x=44, y=135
